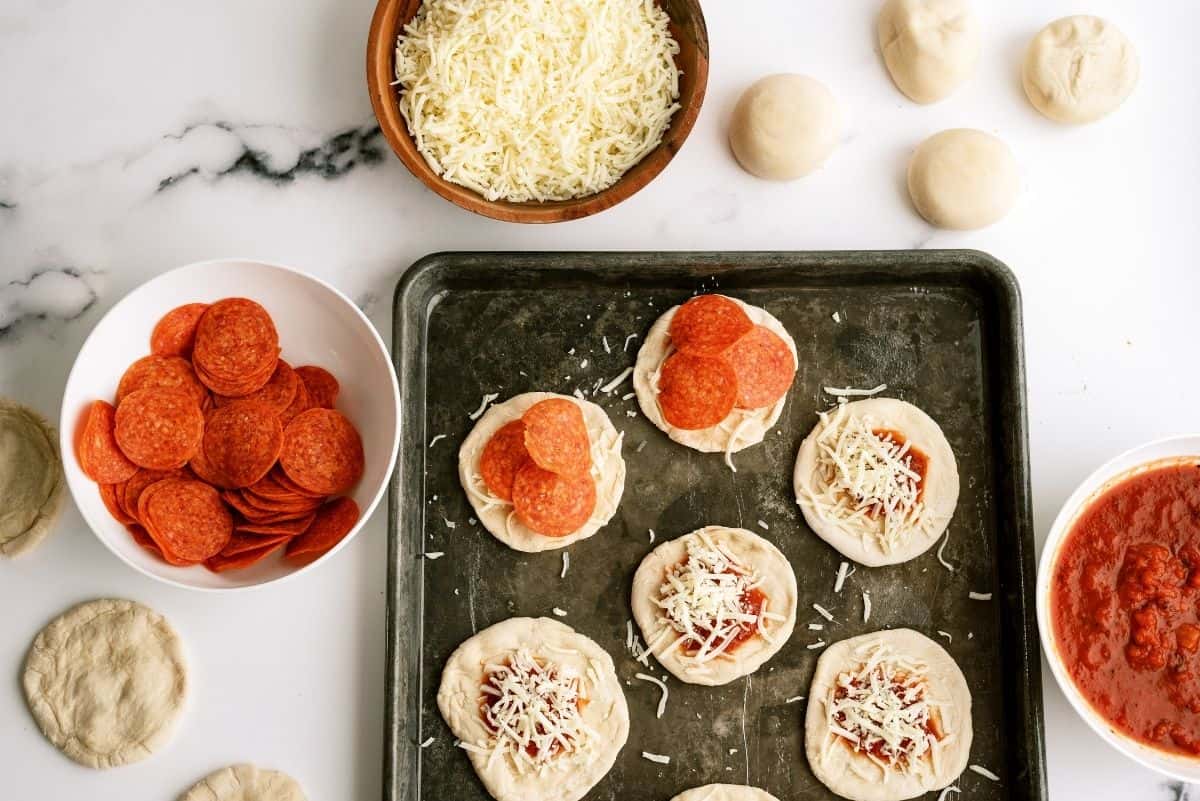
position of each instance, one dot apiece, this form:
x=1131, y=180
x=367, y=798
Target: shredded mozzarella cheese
x=662, y=699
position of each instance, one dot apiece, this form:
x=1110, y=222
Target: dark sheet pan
x=942, y=329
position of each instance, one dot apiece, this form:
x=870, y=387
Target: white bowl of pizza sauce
x=1064, y=619
x=317, y=325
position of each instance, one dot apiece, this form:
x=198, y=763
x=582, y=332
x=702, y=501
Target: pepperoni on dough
x=322, y=387
x=696, y=391
x=707, y=325
x=551, y=504
x=187, y=519
x=556, y=437
x=159, y=428
x=160, y=372
x=242, y=441
x=175, y=333
x=333, y=522
x=502, y=457
x=322, y=452
x=99, y=455
x=764, y=366
x=236, y=347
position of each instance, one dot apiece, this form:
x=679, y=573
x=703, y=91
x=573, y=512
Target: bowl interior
x=1132, y=461
x=687, y=26
x=317, y=325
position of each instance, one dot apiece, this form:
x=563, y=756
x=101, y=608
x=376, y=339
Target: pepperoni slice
x=242, y=441
x=110, y=494
x=241, y=543
x=187, y=519
x=99, y=455
x=322, y=452
x=268, y=506
x=160, y=372
x=159, y=428
x=696, y=391
x=322, y=387
x=220, y=563
x=236, y=341
x=175, y=333
x=206, y=472
x=289, y=528
x=556, y=437
x=301, y=403
x=143, y=539
x=279, y=391
x=502, y=457
x=552, y=504
x=286, y=483
x=764, y=366
x=334, y=521
x=707, y=325
x=132, y=491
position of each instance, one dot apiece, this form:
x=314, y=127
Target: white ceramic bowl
x=1163, y=451
x=317, y=325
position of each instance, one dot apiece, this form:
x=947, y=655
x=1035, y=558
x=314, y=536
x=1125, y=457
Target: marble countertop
x=143, y=136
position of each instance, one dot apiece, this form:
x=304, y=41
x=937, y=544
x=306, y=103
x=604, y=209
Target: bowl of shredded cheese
x=537, y=111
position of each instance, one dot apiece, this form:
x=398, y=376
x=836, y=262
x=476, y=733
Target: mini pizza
x=542, y=470
x=876, y=479
x=714, y=605
x=714, y=372
x=537, y=707
x=889, y=717
x=725, y=792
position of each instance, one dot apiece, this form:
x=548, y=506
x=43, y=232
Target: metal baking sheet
x=941, y=328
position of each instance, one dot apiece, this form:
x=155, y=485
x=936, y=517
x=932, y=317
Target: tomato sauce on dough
x=1125, y=606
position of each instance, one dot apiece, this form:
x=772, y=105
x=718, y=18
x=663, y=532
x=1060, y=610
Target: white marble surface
x=141, y=136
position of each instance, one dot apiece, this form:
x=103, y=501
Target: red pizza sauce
x=917, y=461
x=1125, y=606
x=488, y=701
x=752, y=602
x=878, y=749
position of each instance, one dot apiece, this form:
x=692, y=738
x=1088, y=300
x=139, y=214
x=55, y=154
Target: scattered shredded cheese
x=851, y=392
x=984, y=772
x=618, y=381
x=732, y=751
x=823, y=612
x=434, y=441
x=866, y=596
x=837, y=318
x=841, y=576
x=434, y=554
x=659, y=758
x=566, y=562
x=941, y=548
x=559, y=612
x=947, y=791
x=812, y=646
x=949, y=637
x=816, y=626
x=483, y=404
x=662, y=700
x=651, y=535
x=428, y=742
x=794, y=699
x=763, y=525
x=604, y=342
x=979, y=596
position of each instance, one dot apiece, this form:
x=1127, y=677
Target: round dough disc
x=742, y=428
x=106, y=682
x=861, y=539
x=930, y=47
x=725, y=792
x=854, y=775
x=31, y=478
x=608, y=471
x=1079, y=69
x=569, y=775
x=784, y=127
x=963, y=179
x=245, y=783
x=751, y=550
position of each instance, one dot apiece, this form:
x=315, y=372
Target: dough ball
x=1079, y=69
x=31, y=478
x=930, y=47
x=106, y=682
x=963, y=179
x=245, y=783
x=784, y=127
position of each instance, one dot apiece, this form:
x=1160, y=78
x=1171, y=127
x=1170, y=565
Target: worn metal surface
x=942, y=329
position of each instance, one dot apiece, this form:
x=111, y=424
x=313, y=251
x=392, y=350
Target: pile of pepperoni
x=541, y=464
x=721, y=361
x=217, y=451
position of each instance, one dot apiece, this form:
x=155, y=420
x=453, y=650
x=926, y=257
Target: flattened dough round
x=778, y=584
x=930, y=47
x=552, y=641
x=608, y=471
x=742, y=428
x=858, y=778
x=725, y=792
x=963, y=179
x=245, y=783
x=861, y=541
x=31, y=478
x=784, y=127
x=106, y=682
x=1079, y=69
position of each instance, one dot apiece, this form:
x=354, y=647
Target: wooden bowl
x=687, y=26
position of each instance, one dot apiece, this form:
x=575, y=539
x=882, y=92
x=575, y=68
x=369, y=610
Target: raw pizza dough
x=963, y=179
x=1079, y=69
x=31, y=478
x=106, y=682
x=570, y=774
x=778, y=583
x=930, y=47
x=245, y=783
x=854, y=775
x=784, y=127
x=742, y=428
x=862, y=539
x=608, y=471
x=725, y=792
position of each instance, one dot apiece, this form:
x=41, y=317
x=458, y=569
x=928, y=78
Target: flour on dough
x=245, y=783
x=31, y=478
